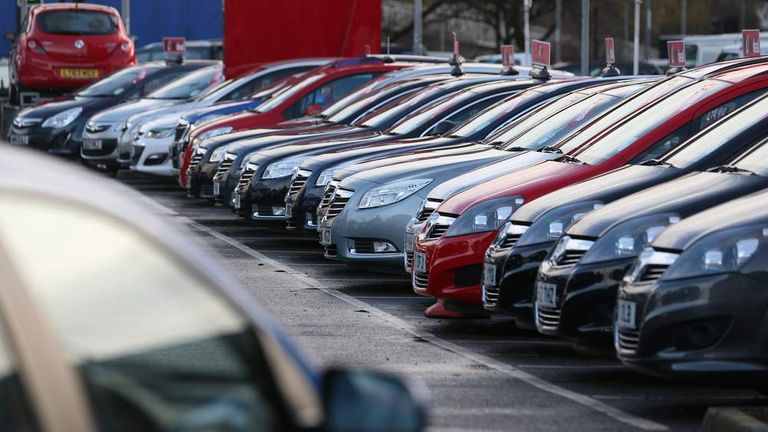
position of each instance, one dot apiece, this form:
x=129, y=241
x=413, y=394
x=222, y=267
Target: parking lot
x=482, y=374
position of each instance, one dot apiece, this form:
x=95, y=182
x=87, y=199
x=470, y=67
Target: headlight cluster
x=509, y=229
x=554, y=223
x=218, y=154
x=63, y=119
x=485, y=216
x=215, y=133
x=721, y=252
x=160, y=133
x=628, y=239
x=282, y=168
x=392, y=193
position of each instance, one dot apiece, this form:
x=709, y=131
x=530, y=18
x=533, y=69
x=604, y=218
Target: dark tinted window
x=247, y=88
x=119, y=82
x=327, y=94
x=77, y=23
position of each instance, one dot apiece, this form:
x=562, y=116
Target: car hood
x=606, y=188
x=751, y=209
x=121, y=112
x=437, y=167
x=529, y=183
x=158, y=122
x=306, y=140
x=521, y=160
x=164, y=110
x=684, y=196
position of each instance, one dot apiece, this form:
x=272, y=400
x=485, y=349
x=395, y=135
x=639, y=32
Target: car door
x=155, y=345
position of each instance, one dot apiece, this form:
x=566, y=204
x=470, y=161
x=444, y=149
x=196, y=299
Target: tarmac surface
x=483, y=375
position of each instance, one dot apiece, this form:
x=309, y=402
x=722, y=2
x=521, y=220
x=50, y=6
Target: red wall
x=257, y=31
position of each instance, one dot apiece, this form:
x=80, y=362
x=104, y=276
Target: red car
x=66, y=46
x=449, y=252
x=308, y=94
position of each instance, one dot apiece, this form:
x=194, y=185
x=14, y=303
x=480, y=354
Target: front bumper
x=515, y=272
x=200, y=178
x=709, y=327
x=586, y=299
x=63, y=142
x=454, y=267
x=151, y=156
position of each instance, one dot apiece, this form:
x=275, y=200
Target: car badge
x=79, y=44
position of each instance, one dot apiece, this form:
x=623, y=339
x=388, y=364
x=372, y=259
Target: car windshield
x=636, y=127
x=551, y=131
x=755, y=161
x=216, y=91
x=632, y=105
x=499, y=110
x=77, y=23
x=360, y=99
x=399, y=107
x=190, y=85
x=365, y=92
x=118, y=83
x=545, y=111
x=432, y=112
x=719, y=135
x=289, y=93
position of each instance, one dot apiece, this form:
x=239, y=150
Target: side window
x=466, y=113
x=712, y=116
x=157, y=347
x=260, y=83
x=326, y=95
x=15, y=412
x=664, y=145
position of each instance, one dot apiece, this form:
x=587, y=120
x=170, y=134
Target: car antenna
x=388, y=58
x=610, y=69
x=456, y=59
x=508, y=60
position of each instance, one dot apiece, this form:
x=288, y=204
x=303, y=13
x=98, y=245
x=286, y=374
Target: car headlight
x=392, y=193
x=554, y=223
x=628, y=239
x=485, y=216
x=218, y=154
x=720, y=252
x=63, y=119
x=215, y=132
x=160, y=133
x=283, y=168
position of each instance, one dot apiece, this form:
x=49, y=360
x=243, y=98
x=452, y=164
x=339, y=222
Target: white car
x=149, y=151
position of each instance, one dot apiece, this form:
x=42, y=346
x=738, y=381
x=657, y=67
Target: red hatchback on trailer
x=66, y=46
x=449, y=253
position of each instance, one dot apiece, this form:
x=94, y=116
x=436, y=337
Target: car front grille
x=327, y=195
x=510, y=241
x=408, y=261
x=420, y=280
x=196, y=159
x=136, y=152
x=547, y=317
x=653, y=272
x=437, y=231
x=245, y=179
x=297, y=184
x=490, y=294
x=336, y=206
x=628, y=340
x=223, y=169
x=181, y=129
x=571, y=257
x=427, y=209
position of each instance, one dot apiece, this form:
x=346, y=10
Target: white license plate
x=489, y=275
x=19, y=140
x=288, y=210
x=420, y=262
x=627, y=314
x=546, y=294
x=325, y=236
x=90, y=144
x=236, y=201
x=216, y=188
x=410, y=242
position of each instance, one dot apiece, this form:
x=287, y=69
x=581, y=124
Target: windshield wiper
x=657, y=162
x=550, y=149
x=515, y=149
x=732, y=169
x=571, y=159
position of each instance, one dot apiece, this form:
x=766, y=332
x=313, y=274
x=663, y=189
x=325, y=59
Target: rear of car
x=65, y=46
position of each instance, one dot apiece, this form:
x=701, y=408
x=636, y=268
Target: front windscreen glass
x=399, y=107
x=432, y=111
x=298, y=88
x=360, y=99
x=502, y=109
x=117, y=83
x=755, y=161
x=189, y=86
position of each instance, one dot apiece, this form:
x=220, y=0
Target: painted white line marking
x=398, y=323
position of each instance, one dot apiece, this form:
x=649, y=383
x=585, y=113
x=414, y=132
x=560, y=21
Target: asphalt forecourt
x=483, y=374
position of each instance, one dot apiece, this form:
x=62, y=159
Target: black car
x=369, y=126
x=694, y=305
x=57, y=127
x=513, y=260
x=576, y=286
x=267, y=189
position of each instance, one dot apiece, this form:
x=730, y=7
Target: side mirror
x=313, y=110
x=443, y=127
x=364, y=401
x=9, y=36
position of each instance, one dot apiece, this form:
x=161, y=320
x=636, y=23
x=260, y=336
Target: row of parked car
x=624, y=214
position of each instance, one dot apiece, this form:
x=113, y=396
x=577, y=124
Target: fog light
x=278, y=211
x=156, y=159
x=383, y=247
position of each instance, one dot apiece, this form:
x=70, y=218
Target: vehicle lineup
x=625, y=217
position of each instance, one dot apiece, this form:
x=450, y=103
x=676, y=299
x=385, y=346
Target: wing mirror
x=9, y=36
x=365, y=401
x=443, y=127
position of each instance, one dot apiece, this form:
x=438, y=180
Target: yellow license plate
x=79, y=73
